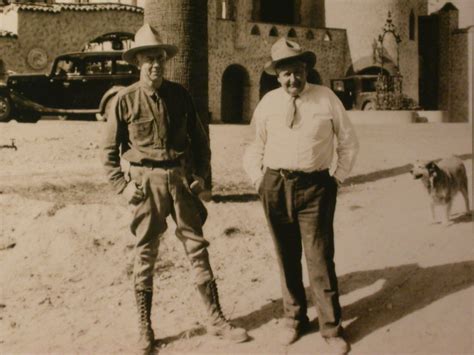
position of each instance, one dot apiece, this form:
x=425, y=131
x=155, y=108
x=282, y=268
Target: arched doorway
x=375, y=70
x=367, y=66
x=267, y=83
x=235, y=94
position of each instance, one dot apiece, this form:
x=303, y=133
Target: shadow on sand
x=353, y=180
x=466, y=217
x=405, y=290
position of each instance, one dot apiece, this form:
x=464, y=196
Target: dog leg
x=447, y=213
x=466, y=199
x=433, y=215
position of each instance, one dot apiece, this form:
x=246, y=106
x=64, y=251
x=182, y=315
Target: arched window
x=411, y=29
x=327, y=37
x=292, y=33
x=225, y=10
x=255, y=31
x=273, y=32
x=309, y=35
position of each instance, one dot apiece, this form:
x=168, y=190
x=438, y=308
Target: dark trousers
x=300, y=213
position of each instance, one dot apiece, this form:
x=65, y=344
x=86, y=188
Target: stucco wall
x=61, y=32
x=448, y=22
x=364, y=21
x=9, y=21
x=461, y=84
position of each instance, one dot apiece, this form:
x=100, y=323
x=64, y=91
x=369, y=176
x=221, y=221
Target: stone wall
x=352, y=28
x=231, y=43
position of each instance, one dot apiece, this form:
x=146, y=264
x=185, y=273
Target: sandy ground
x=65, y=251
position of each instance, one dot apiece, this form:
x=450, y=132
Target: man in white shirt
x=296, y=128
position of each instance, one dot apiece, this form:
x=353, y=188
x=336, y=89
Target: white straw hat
x=286, y=50
x=148, y=38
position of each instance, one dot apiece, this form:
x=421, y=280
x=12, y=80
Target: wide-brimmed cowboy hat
x=285, y=50
x=147, y=38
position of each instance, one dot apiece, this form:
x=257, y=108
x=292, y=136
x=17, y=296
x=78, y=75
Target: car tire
x=369, y=106
x=5, y=108
x=28, y=117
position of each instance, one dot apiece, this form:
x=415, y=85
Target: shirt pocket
x=142, y=133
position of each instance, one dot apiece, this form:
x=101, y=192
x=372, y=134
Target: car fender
x=363, y=98
x=109, y=94
x=4, y=90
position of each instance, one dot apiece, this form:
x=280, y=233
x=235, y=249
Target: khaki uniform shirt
x=148, y=126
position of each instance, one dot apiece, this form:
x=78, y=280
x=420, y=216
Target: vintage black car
x=356, y=92
x=79, y=85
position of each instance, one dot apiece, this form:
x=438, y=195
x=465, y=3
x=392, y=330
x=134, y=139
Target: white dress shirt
x=307, y=146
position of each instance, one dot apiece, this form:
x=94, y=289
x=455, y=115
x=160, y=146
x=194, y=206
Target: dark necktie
x=291, y=115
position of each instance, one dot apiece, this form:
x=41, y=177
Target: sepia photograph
x=275, y=177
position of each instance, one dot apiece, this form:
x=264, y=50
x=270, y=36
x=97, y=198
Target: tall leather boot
x=218, y=325
x=146, y=337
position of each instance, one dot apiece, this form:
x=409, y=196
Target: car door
x=124, y=73
x=97, y=80
x=65, y=83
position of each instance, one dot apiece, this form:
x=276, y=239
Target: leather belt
x=296, y=174
x=164, y=164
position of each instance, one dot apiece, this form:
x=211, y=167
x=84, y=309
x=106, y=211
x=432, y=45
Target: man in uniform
x=153, y=126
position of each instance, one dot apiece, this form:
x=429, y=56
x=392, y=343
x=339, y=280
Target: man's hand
x=198, y=187
x=258, y=183
x=338, y=182
x=133, y=194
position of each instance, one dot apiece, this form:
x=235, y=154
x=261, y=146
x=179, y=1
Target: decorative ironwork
x=389, y=87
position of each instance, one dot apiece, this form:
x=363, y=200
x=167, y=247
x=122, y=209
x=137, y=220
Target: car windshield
x=122, y=67
x=368, y=85
x=67, y=66
x=98, y=66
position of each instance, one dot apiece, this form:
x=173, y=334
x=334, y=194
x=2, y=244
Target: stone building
x=33, y=34
x=343, y=34
x=434, y=55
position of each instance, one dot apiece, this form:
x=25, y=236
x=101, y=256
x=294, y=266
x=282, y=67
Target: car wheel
x=369, y=106
x=5, y=109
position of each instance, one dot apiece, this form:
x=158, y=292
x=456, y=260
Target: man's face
x=292, y=77
x=152, y=64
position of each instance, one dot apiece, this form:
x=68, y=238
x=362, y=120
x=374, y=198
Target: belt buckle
x=288, y=174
